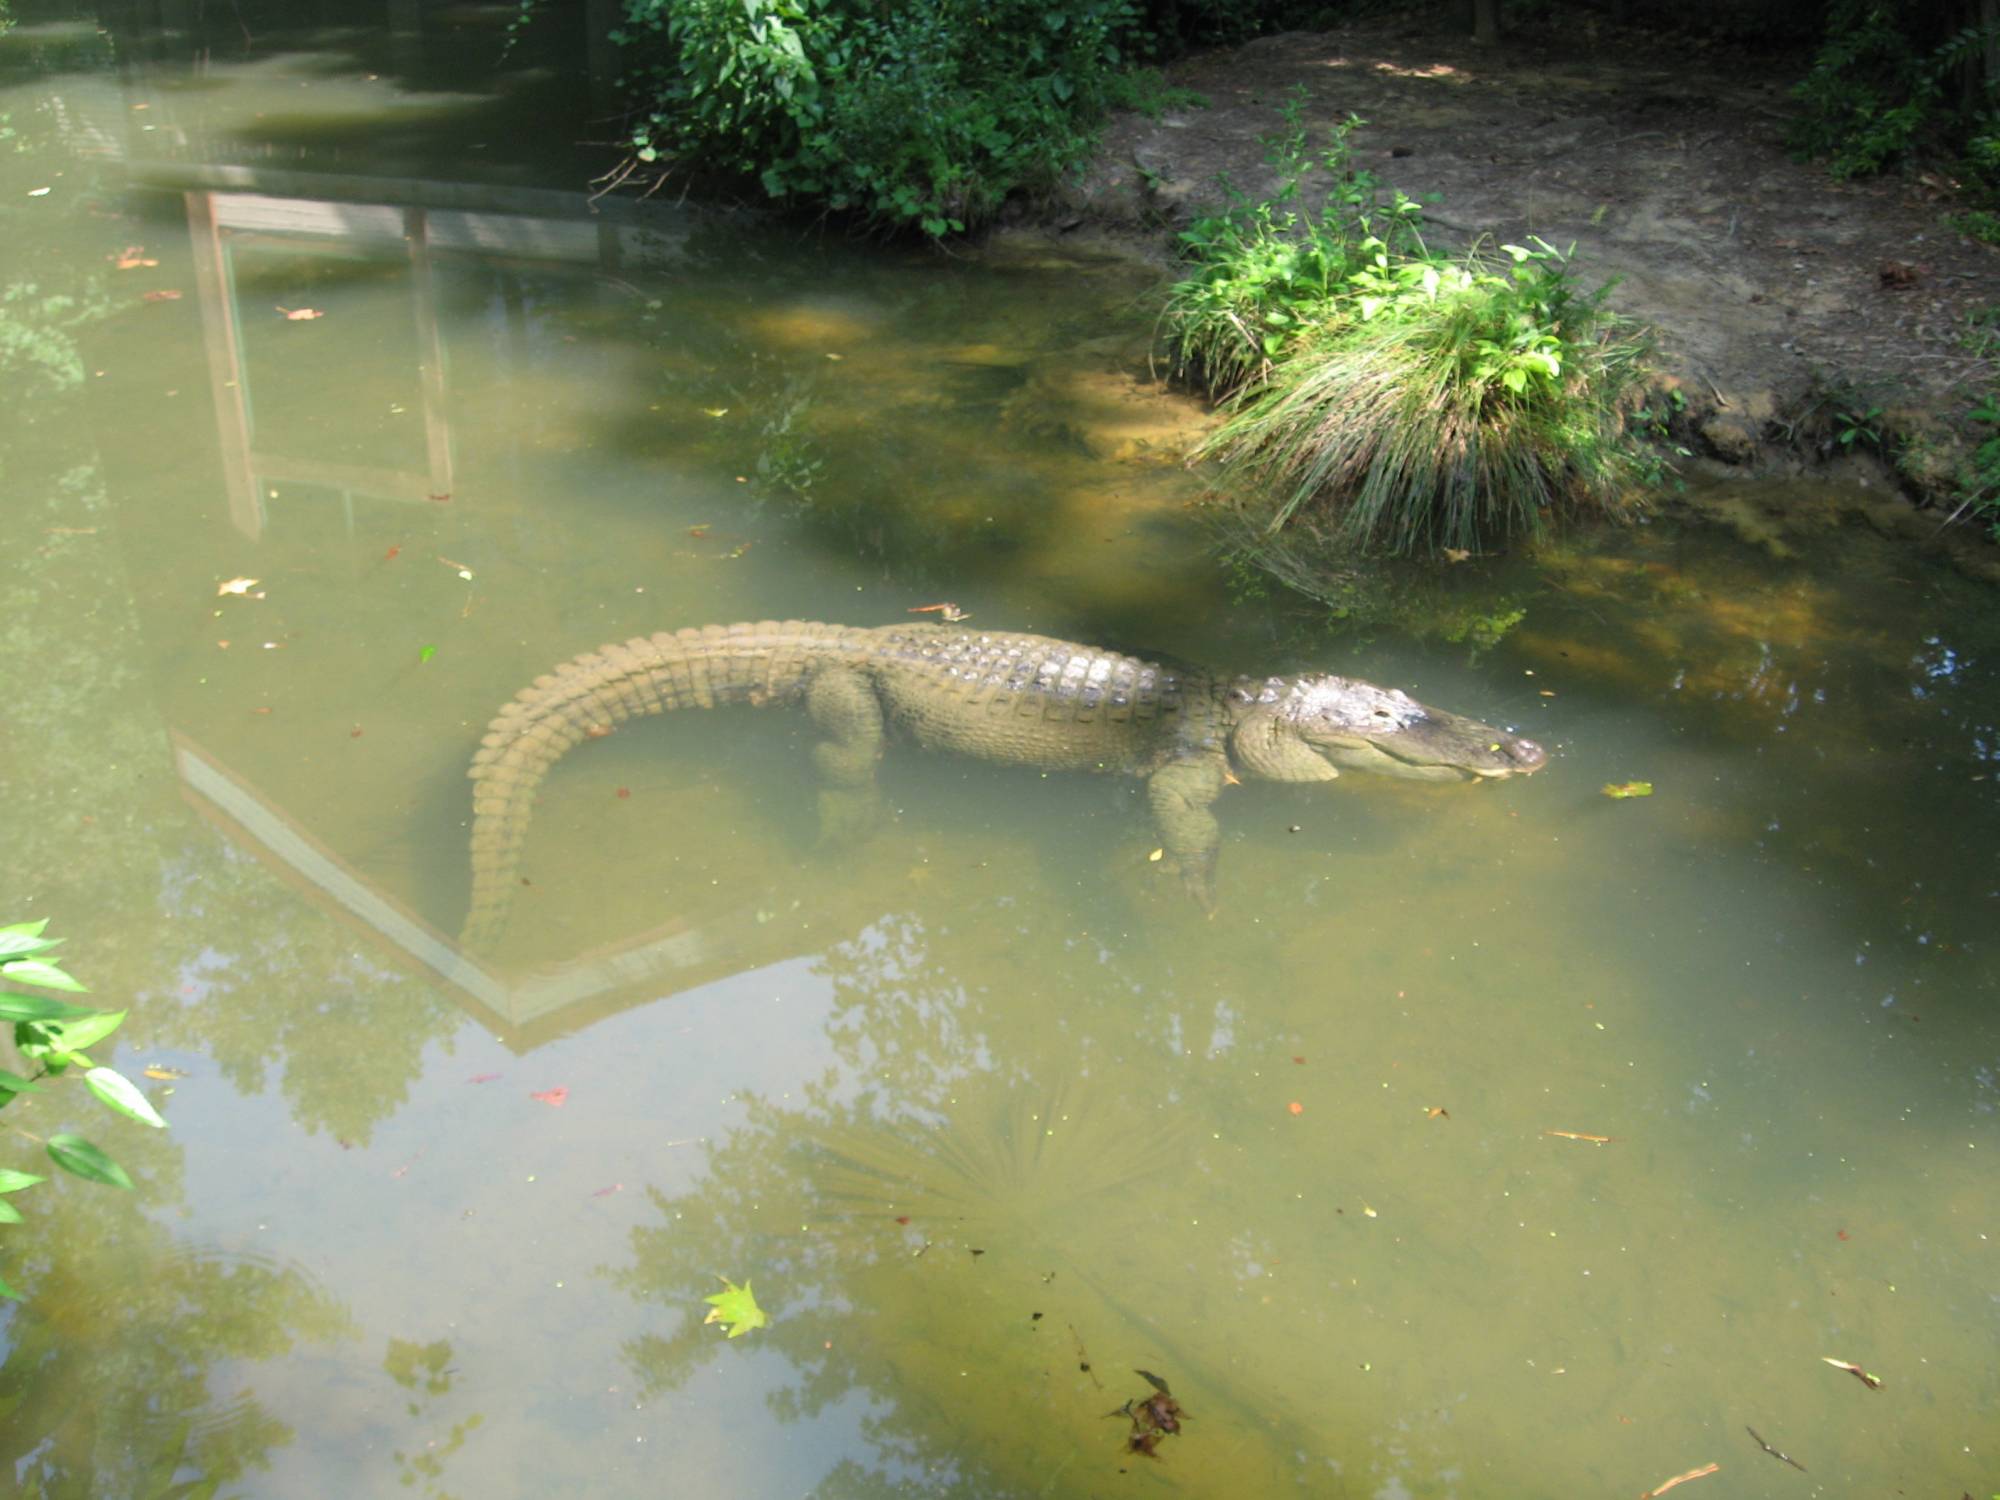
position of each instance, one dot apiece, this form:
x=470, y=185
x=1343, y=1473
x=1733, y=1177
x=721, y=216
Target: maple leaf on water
x=734, y=1308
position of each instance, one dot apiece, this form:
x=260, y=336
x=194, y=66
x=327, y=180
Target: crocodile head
x=1313, y=728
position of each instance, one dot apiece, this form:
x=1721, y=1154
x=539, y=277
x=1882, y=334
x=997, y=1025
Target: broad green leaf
x=34, y=1008
x=118, y=1091
x=735, y=1308
x=24, y=938
x=12, y=1181
x=87, y=1032
x=14, y=1083
x=8, y=1213
x=40, y=971
x=74, y=1154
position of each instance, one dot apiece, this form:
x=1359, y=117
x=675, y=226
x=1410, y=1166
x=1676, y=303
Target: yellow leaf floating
x=734, y=1308
x=1623, y=789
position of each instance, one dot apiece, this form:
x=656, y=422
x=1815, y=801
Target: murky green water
x=990, y=1115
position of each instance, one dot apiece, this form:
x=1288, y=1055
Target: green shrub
x=1394, y=399
x=1441, y=406
x=1890, y=81
x=923, y=115
x=1262, y=272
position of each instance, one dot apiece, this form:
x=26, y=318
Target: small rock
x=1730, y=439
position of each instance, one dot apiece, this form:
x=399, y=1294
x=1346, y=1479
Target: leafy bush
x=50, y=1036
x=926, y=114
x=1262, y=272
x=1891, y=80
x=1398, y=400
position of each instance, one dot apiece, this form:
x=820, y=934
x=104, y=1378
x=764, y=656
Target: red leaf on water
x=482, y=1078
x=606, y=1192
x=624, y=791
x=554, y=1098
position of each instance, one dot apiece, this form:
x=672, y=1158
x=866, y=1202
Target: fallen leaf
x=162, y=295
x=162, y=1071
x=264, y=710
x=439, y=498
x=1623, y=789
x=715, y=411
x=1156, y=855
x=1437, y=1112
x=483, y=1078
x=1457, y=555
x=1873, y=1382
x=606, y=1192
x=301, y=314
x=1666, y=1484
x=624, y=792
x=555, y=1098
x=386, y=556
x=734, y=1308
x=132, y=257
x=235, y=586
x=1296, y=1108
x=1577, y=1135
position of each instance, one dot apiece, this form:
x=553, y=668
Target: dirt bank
x=1766, y=283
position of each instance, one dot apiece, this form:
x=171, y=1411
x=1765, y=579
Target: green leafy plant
x=1891, y=81
x=1261, y=273
x=1857, y=425
x=50, y=1037
x=906, y=116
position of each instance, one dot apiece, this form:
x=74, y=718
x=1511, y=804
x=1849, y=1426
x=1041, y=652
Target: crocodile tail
x=587, y=697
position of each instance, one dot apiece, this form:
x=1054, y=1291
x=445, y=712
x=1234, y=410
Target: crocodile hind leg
x=844, y=708
x=1181, y=794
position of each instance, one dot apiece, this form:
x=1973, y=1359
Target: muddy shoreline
x=1772, y=292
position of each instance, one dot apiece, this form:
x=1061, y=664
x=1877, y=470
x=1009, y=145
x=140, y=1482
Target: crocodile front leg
x=1181, y=793
x=844, y=707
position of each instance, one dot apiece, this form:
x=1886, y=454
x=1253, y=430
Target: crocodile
x=1023, y=700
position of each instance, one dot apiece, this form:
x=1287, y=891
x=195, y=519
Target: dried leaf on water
x=1620, y=790
x=1666, y=1484
x=301, y=314
x=237, y=586
x=1578, y=1135
x=555, y=1098
x=1873, y=1382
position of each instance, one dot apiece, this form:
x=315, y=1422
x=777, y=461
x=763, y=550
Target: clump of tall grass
x=1404, y=401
